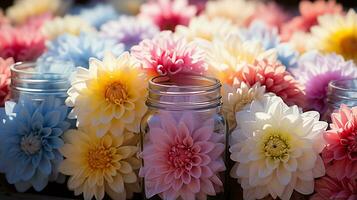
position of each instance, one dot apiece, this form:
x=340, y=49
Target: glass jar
x=183, y=139
x=341, y=92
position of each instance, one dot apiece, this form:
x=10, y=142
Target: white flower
x=276, y=149
x=237, y=97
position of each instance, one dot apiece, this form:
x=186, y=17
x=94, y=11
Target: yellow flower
x=69, y=24
x=238, y=11
x=23, y=9
x=226, y=57
x=110, y=95
x=101, y=165
x=204, y=28
x=337, y=34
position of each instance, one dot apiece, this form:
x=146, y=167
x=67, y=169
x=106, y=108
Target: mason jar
x=183, y=139
x=341, y=92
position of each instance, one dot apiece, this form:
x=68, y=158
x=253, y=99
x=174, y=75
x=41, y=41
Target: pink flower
x=168, y=55
x=3, y=19
x=5, y=79
x=340, y=154
x=330, y=188
x=309, y=11
x=275, y=78
x=38, y=21
x=182, y=158
x=167, y=14
x=271, y=13
x=22, y=44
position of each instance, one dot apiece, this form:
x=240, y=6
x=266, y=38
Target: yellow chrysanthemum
x=226, y=57
x=110, y=95
x=238, y=11
x=23, y=9
x=204, y=28
x=101, y=165
x=69, y=24
x=337, y=34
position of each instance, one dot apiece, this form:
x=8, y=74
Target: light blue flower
x=98, y=14
x=129, y=31
x=270, y=39
x=30, y=139
x=76, y=51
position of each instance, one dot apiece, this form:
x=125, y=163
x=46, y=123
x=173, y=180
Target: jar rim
x=335, y=85
x=14, y=68
x=163, y=82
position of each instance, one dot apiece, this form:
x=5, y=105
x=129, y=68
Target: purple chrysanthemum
x=315, y=71
x=129, y=31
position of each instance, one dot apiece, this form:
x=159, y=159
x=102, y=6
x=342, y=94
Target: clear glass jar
x=183, y=139
x=28, y=81
x=341, y=92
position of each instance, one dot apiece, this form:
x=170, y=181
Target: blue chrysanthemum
x=129, y=31
x=76, y=50
x=30, y=139
x=269, y=38
x=98, y=14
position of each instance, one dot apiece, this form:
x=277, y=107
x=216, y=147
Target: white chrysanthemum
x=207, y=29
x=225, y=57
x=69, y=24
x=276, y=149
x=300, y=41
x=237, y=97
x=24, y=9
x=238, y=11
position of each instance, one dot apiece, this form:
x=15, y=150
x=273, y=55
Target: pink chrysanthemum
x=330, y=188
x=340, y=154
x=275, y=78
x=271, y=13
x=309, y=11
x=4, y=79
x=182, y=158
x=37, y=22
x=315, y=71
x=167, y=55
x=22, y=44
x=167, y=14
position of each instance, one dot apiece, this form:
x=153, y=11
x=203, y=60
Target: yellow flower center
x=116, y=93
x=349, y=44
x=276, y=147
x=101, y=157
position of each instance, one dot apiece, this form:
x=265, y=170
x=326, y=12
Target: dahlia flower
x=226, y=57
x=207, y=29
x=99, y=166
x=182, y=158
x=269, y=37
x=275, y=78
x=22, y=10
x=129, y=31
x=330, y=188
x=99, y=14
x=336, y=34
x=315, y=71
x=238, y=11
x=5, y=79
x=166, y=54
x=30, y=139
x=237, y=97
x=310, y=11
x=340, y=154
x=167, y=14
x=110, y=95
x=13, y=43
x=73, y=25
x=276, y=149
x=77, y=50
x=271, y=14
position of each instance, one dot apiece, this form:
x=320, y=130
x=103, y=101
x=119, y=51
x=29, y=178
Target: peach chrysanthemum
x=275, y=78
x=5, y=79
x=238, y=11
x=207, y=29
x=110, y=95
x=99, y=166
x=69, y=24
